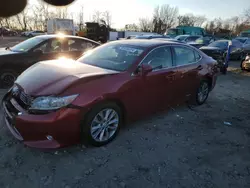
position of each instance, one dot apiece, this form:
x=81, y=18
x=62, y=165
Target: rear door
x=188, y=65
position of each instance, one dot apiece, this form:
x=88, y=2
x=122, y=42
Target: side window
x=79, y=45
x=56, y=46
x=184, y=56
x=159, y=57
x=43, y=47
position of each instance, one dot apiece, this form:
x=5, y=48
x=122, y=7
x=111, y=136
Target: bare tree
x=247, y=15
x=145, y=25
x=97, y=16
x=81, y=18
x=22, y=19
x=62, y=12
x=107, y=17
x=187, y=20
x=200, y=20
x=168, y=15
x=164, y=17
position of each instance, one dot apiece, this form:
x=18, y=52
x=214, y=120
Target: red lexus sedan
x=62, y=102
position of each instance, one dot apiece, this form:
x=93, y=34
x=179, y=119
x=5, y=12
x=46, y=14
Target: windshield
x=181, y=38
x=27, y=45
x=117, y=57
x=219, y=44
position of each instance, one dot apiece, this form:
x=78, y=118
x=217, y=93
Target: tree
x=22, y=19
x=200, y=20
x=97, y=16
x=247, y=15
x=145, y=25
x=81, y=18
x=131, y=27
x=164, y=17
x=107, y=17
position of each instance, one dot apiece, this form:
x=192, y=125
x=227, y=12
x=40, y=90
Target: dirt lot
x=184, y=147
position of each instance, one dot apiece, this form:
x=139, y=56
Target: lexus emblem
x=15, y=91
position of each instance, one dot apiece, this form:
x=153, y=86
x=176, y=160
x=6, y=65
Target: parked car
x=35, y=33
x=202, y=41
x=150, y=36
x=61, y=102
x=7, y=32
x=218, y=50
x=246, y=46
x=187, y=38
x=168, y=39
x=16, y=59
x=241, y=39
x=245, y=63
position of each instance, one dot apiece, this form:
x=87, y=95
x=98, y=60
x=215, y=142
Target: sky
x=129, y=11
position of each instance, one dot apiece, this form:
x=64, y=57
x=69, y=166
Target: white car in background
x=35, y=33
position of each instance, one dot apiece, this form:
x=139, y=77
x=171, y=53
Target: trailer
x=65, y=26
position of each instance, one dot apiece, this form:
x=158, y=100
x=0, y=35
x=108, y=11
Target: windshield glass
x=27, y=45
x=219, y=44
x=117, y=57
x=181, y=38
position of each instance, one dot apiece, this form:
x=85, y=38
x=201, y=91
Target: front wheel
x=7, y=78
x=202, y=93
x=102, y=124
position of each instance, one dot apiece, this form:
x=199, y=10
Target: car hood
x=209, y=48
x=3, y=51
x=52, y=77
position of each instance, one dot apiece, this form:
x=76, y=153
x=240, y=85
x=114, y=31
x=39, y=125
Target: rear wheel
x=241, y=65
x=102, y=124
x=202, y=92
x=7, y=78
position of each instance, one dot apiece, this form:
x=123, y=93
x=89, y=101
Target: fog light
x=49, y=137
x=19, y=113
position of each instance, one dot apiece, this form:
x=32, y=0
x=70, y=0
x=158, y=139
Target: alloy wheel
x=104, y=125
x=203, y=92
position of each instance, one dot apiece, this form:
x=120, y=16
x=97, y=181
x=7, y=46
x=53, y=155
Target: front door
x=154, y=89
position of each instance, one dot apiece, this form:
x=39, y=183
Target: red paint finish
x=138, y=94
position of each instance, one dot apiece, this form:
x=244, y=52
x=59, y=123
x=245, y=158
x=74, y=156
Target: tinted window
x=112, y=56
x=242, y=40
x=193, y=38
x=159, y=57
x=184, y=56
x=248, y=41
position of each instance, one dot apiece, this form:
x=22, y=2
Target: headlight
x=51, y=103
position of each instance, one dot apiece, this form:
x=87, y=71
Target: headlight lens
x=51, y=103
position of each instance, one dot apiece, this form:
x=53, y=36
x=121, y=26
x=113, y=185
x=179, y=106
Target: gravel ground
x=203, y=147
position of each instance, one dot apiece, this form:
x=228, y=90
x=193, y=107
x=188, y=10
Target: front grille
x=23, y=99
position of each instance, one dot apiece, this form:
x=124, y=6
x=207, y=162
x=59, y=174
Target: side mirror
x=38, y=51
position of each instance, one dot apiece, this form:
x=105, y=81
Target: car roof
x=144, y=42
x=64, y=36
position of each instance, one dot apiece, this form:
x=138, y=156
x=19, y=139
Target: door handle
x=199, y=67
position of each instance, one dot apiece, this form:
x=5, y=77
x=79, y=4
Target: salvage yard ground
x=204, y=147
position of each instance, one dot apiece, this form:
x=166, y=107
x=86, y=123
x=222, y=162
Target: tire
x=89, y=126
x=30, y=35
x=202, y=100
x=242, y=68
x=7, y=78
x=223, y=70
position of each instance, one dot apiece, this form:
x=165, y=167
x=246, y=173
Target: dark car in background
x=218, y=50
x=90, y=99
x=187, y=38
x=150, y=36
x=202, y=41
x=14, y=60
